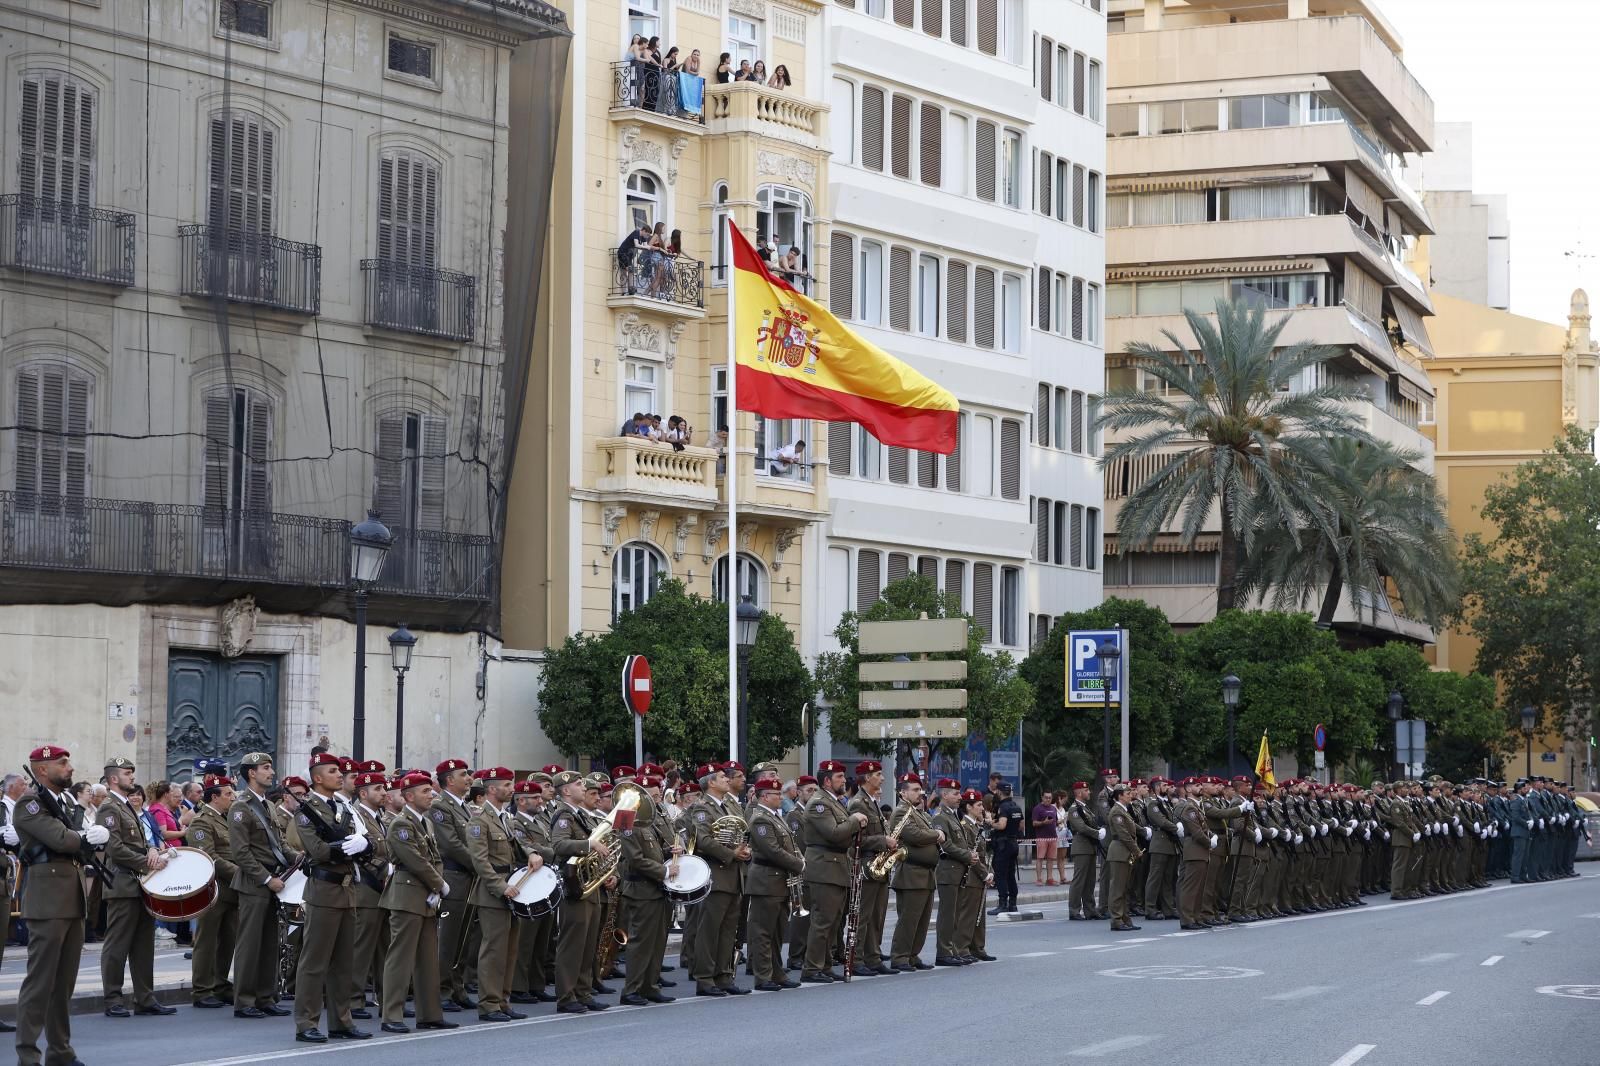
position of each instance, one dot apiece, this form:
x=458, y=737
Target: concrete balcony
x=797, y=497
x=1386, y=427
x=637, y=470
x=647, y=94
x=744, y=107
x=1346, y=50
x=1338, y=326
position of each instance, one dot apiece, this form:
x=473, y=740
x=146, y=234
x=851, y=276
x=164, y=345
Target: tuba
x=591, y=870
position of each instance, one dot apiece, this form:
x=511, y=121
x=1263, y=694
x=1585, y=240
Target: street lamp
x=748, y=618
x=1230, y=699
x=401, y=643
x=1109, y=656
x=1397, y=710
x=369, y=543
x=1529, y=716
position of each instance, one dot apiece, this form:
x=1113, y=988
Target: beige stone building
x=1255, y=155
x=251, y=286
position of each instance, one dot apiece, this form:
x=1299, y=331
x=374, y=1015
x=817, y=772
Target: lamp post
x=1230, y=699
x=401, y=643
x=1397, y=710
x=748, y=616
x=369, y=543
x=1109, y=656
x=1529, y=716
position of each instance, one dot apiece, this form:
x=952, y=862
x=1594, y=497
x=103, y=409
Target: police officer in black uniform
x=1006, y=835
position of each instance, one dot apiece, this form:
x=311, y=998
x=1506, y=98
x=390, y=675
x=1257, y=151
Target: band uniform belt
x=455, y=867
x=321, y=874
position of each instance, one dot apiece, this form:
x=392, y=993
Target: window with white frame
x=643, y=199
x=719, y=402
x=842, y=119
x=783, y=216
x=779, y=451
x=640, y=388
x=721, y=215
x=957, y=169
x=982, y=463
x=928, y=271
x=1011, y=313
x=637, y=570
x=1011, y=168
x=744, y=39
x=1091, y=314
x=752, y=581
x=1010, y=604
x=247, y=18
x=1097, y=89
x=412, y=57
x=644, y=18
x=869, y=278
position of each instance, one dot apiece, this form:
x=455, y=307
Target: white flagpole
x=731, y=480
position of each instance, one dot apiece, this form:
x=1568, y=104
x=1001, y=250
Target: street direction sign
x=912, y=699
x=910, y=728
x=930, y=670
x=1084, y=683
x=922, y=635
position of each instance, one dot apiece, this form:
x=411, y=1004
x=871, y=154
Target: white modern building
x=1468, y=255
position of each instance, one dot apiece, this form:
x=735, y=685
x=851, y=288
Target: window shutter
x=846, y=3
x=955, y=574
x=900, y=288
x=958, y=22
x=900, y=136
x=408, y=209
x=952, y=462
x=1091, y=538
x=1077, y=195
x=1077, y=309
x=1041, y=629
x=931, y=129
x=1058, y=537
x=842, y=275
x=989, y=27
x=839, y=434
x=28, y=418
x=218, y=417
x=1041, y=416
x=927, y=470
x=431, y=474
x=1011, y=458
x=905, y=13
x=899, y=466
x=388, y=467
x=868, y=589
x=242, y=152
x=955, y=301
x=933, y=17
x=1044, y=198
x=1075, y=548
x=1041, y=530
x=55, y=159
x=985, y=160
x=75, y=473
x=1042, y=301
x=1079, y=65
x=983, y=599
x=257, y=453
x=928, y=567
x=872, y=127
x=1047, y=55
x=899, y=567
x=1077, y=422
x=983, y=307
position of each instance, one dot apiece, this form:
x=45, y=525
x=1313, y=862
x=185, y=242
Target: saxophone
x=884, y=863
x=612, y=939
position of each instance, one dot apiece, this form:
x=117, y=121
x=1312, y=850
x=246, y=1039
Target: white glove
x=1530, y=823
x=1461, y=831
x=1147, y=832
x=1101, y=833
x=1258, y=836
x=1180, y=830
x=446, y=890
x=1213, y=845
x=1415, y=837
x=433, y=899
x=1428, y=829
x=1366, y=834
x=1455, y=819
x=8, y=833
x=1324, y=828
x=1386, y=834
x=353, y=845
x=1438, y=827
x=1298, y=839
x=1249, y=805
x=1352, y=823
x=1272, y=831
x=1565, y=818
x=1476, y=828
x=1541, y=823
x=96, y=835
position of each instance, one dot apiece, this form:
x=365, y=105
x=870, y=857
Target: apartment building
x=1254, y=155
x=1468, y=256
x=251, y=288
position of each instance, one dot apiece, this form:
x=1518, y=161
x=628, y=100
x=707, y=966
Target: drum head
x=187, y=873
x=294, y=889
x=538, y=886
x=692, y=881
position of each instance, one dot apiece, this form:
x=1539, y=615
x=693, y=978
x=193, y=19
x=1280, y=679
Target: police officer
x=1006, y=836
x=830, y=831
x=216, y=930
x=412, y=900
x=130, y=929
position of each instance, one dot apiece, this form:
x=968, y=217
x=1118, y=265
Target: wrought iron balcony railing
x=67, y=240
x=652, y=275
x=416, y=299
x=243, y=266
x=662, y=92
x=84, y=535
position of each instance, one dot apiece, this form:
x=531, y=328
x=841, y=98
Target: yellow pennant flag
x=1264, y=763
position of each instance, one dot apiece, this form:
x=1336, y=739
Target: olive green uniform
x=1197, y=841
x=1086, y=831
x=260, y=853
x=580, y=914
x=913, y=887
x=958, y=905
x=874, y=893
x=413, y=956
x=54, y=907
x=496, y=858
x=372, y=921
x=130, y=944
x=324, y=974
x=799, y=924
x=719, y=911
x=1165, y=843
x=775, y=858
x=450, y=817
x=829, y=833
x=646, y=851
x=1219, y=814
x=1121, y=853
x=216, y=931
x=529, y=976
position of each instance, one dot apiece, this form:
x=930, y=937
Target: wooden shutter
x=1075, y=525
x=1041, y=416
x=952, y=462
x=1077, y=422
x=1077, y=195
x=242, y=160
x=1077, y=309
x=28, y=418
x=1079, y=97
x=1041, y=629
x=955, y=301
x=55, y=157
x=408, y=209
x=257, y=488
x=900, y=136
x=431, y=462
x=928, y=567
x=52, y=450
x=899, y=567
x=389, y=473
x=218, y=419
x=931, y=130
x=983, y=307
x=933, y=17
x=839, y=440
x=899, y=288
x=955, y=574
x=984, y=160
x=872, y=127
x=1041, y=530
x=868, y=587
x=989, y=27
x=905, y=13
x=842, y=275
x=983, y=598
x=899, y=466
x=958, y=22
x=1044, y=196
x=1041, y=302
x=927, y=470
x=1011, y=458
x=1046, y=60
x=1058, y=546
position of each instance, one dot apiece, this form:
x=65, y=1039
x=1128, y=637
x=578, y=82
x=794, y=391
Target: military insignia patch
x=561, y=823
x=700, y=816
x=476, y=830
x=199, y=834
x=109, y=821
x=627, y=832
x=33, y=808
x=238, y=816
x=761, y=830
x=819, y=807
x=438, y=816
x=303, y=820
x=403, y=834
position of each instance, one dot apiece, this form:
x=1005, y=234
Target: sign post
x=1086, y=686
x=636, y=693
x=902, y=640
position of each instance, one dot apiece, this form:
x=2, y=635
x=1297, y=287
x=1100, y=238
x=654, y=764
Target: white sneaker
x=166, y=934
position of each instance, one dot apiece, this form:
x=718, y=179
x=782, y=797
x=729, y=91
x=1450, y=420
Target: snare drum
x=692, y=882
x=183, y=888
x=538, y=894
x=293, y=895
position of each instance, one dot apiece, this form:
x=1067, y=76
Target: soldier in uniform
x=683, y=827
x=1166, y=838
x=372, y=868
x=958, y=858
x=261, y=859
x=830, y=832
x=130, y=944
x=648, y=848
x=1198, y=843
x=53, y=850
x=580, y=914
x=412, y=900
x=1219, y=814
x=913, y=877
x=1121, y=853
x=874, y=893
x=795, y=819
x=530, y=977
x=450, y=816
x=977, y=820
x=1087, y=833
x=775, y=859
x=719, y=912
x=497, y=861
x=217, y=930
x=1100, y=803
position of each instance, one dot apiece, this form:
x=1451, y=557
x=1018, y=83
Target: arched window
x=783, y=216
x=53, y=404
x=241, y=168
x=637, y=569
x=752, y=580
x=644, y=199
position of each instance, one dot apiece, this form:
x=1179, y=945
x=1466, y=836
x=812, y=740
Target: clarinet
x=852, y=922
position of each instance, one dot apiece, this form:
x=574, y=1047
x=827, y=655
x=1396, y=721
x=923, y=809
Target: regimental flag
x=1264, y=763
x=795, y=360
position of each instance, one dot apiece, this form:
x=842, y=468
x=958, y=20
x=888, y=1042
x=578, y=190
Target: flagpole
x=731, y=480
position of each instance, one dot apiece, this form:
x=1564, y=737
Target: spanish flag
x=795, y=360
x=1264, y=763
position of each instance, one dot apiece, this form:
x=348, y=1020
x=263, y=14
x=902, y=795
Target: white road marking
x=1188, y=932
x=1438, y=956
x=1033, y=954
x=1430, y=1000
x=1596, y=915
x=1116, y=947
x=1376, y=907
x=1354, y=1055
x=1302, y=993
x=1087, y=947
x=1527, y=934
x=1140, y=940
x=1110, y=1047
x=1491, y=960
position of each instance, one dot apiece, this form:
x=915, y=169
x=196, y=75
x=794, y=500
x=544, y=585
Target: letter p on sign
x=1083, y=649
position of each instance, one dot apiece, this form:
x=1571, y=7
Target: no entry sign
x=636, y=687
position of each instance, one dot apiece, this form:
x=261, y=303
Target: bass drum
x=183, y=888
x=538, y=894
x=690, y=883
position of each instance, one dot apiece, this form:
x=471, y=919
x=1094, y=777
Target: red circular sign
x=636, y=685
x=1319, y=737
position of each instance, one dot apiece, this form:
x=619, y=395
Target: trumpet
x=797, y=899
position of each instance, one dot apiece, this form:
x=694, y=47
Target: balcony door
x=409, y=496
x=219, y=707
x=408, y=241
x=55, y=173
x=241, y=261
x=237, y=511
x=48, y=521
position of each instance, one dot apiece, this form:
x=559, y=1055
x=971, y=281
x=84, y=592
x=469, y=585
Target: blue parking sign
x=1084, y=682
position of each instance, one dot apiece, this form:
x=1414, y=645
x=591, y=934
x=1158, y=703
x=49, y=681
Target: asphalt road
x=1498, y=975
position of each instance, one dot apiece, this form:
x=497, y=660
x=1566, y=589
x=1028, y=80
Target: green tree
x=1159, y=681
x=997, y=697
x=1379, y=519
x=685, y=638
x=1464, y=725
x=1533, y=588
x=1230, y=431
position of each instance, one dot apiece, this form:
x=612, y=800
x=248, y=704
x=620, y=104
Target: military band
x=398, y=873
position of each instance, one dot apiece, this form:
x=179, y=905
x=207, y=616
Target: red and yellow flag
x=795, y=360
x=1264, y=763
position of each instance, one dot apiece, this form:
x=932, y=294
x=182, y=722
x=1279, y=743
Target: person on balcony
x=692, y=64
x=758, y=73
x=725, y=69
x=791, y=267
x=678, y=433
x=780, y=77
x=628, y=254
x=744, y=73
x=790, y=461
x=657, y=268
x=630, y=428
x=670, y=63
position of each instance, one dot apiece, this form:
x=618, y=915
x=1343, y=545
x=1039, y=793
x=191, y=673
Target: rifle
x=90, y=859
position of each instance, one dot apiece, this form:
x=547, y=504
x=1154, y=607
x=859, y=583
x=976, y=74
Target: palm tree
x=1232, y=431
x=1384, y=521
